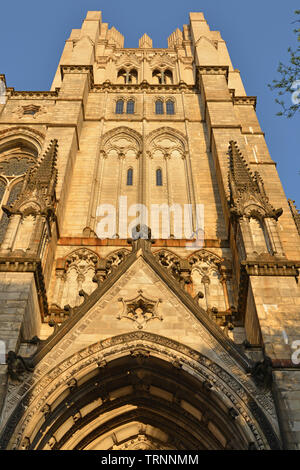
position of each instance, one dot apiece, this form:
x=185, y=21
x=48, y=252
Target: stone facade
x=145, y=339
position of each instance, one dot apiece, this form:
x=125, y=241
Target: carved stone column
x=206, y=282
x=224, y=285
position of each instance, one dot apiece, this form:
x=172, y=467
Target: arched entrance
x=138, y=391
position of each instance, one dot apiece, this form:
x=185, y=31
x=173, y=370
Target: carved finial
x=145, y=42
x=238, y=168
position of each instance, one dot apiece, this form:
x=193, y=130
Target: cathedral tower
x=149, y=259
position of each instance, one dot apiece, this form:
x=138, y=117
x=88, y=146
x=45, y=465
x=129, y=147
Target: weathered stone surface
x=226, y=301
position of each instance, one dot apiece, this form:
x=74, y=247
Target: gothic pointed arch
x=120, y=148
x=121, y=131
x=145, y=382
x=75, y=275
x=26, y=133
x=19, y=152
x=169, y=170
x=166, y=131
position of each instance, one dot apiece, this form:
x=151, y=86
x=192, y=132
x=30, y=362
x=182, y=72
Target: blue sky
x=257, y=33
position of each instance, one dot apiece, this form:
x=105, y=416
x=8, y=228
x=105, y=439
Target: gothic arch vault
x=138, y=391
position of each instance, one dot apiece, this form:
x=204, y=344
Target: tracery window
x=162, y=76
x=132, y=76
x=168, y=77
x=157, y=76
x=259, y=235
x=127, y=76
x=15, y=160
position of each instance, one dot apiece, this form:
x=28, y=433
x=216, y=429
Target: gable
x=108, y=317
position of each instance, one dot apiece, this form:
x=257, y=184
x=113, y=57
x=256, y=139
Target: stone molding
x=271, y=268
x=143, y=86
x=14, y=264
x=79, y=69
x=245, y=101
x=31, y=132
x=212, y=70
x=12, y=93
x=39, y=387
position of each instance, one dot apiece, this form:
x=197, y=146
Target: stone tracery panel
x=120, y=150
x=16, y=157
x=77, y=275
x=167, y=150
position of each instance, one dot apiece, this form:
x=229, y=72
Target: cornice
x=143, y=86
x=186, y=60
x=16, y=264
x=75, y=69
x=183, y=242
x=245, y=101
x=271, y=267
x=260, y=267
x=213, y=70
x=12, y=93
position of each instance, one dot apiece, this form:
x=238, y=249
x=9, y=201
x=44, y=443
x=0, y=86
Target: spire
x=175, y=39
x=145, y=42
x=247, y=193
x=47, y=167
x=239, y=171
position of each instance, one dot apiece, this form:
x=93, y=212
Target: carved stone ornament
x=140, y=310
x=37, y=195
x=240, y=391
x=30, y=111
x=17, y=365
x=247, y=194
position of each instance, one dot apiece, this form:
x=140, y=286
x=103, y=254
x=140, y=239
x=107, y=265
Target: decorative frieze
x=37, y=95
x=143, y=86
x=245, y=101
x=271, y=268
